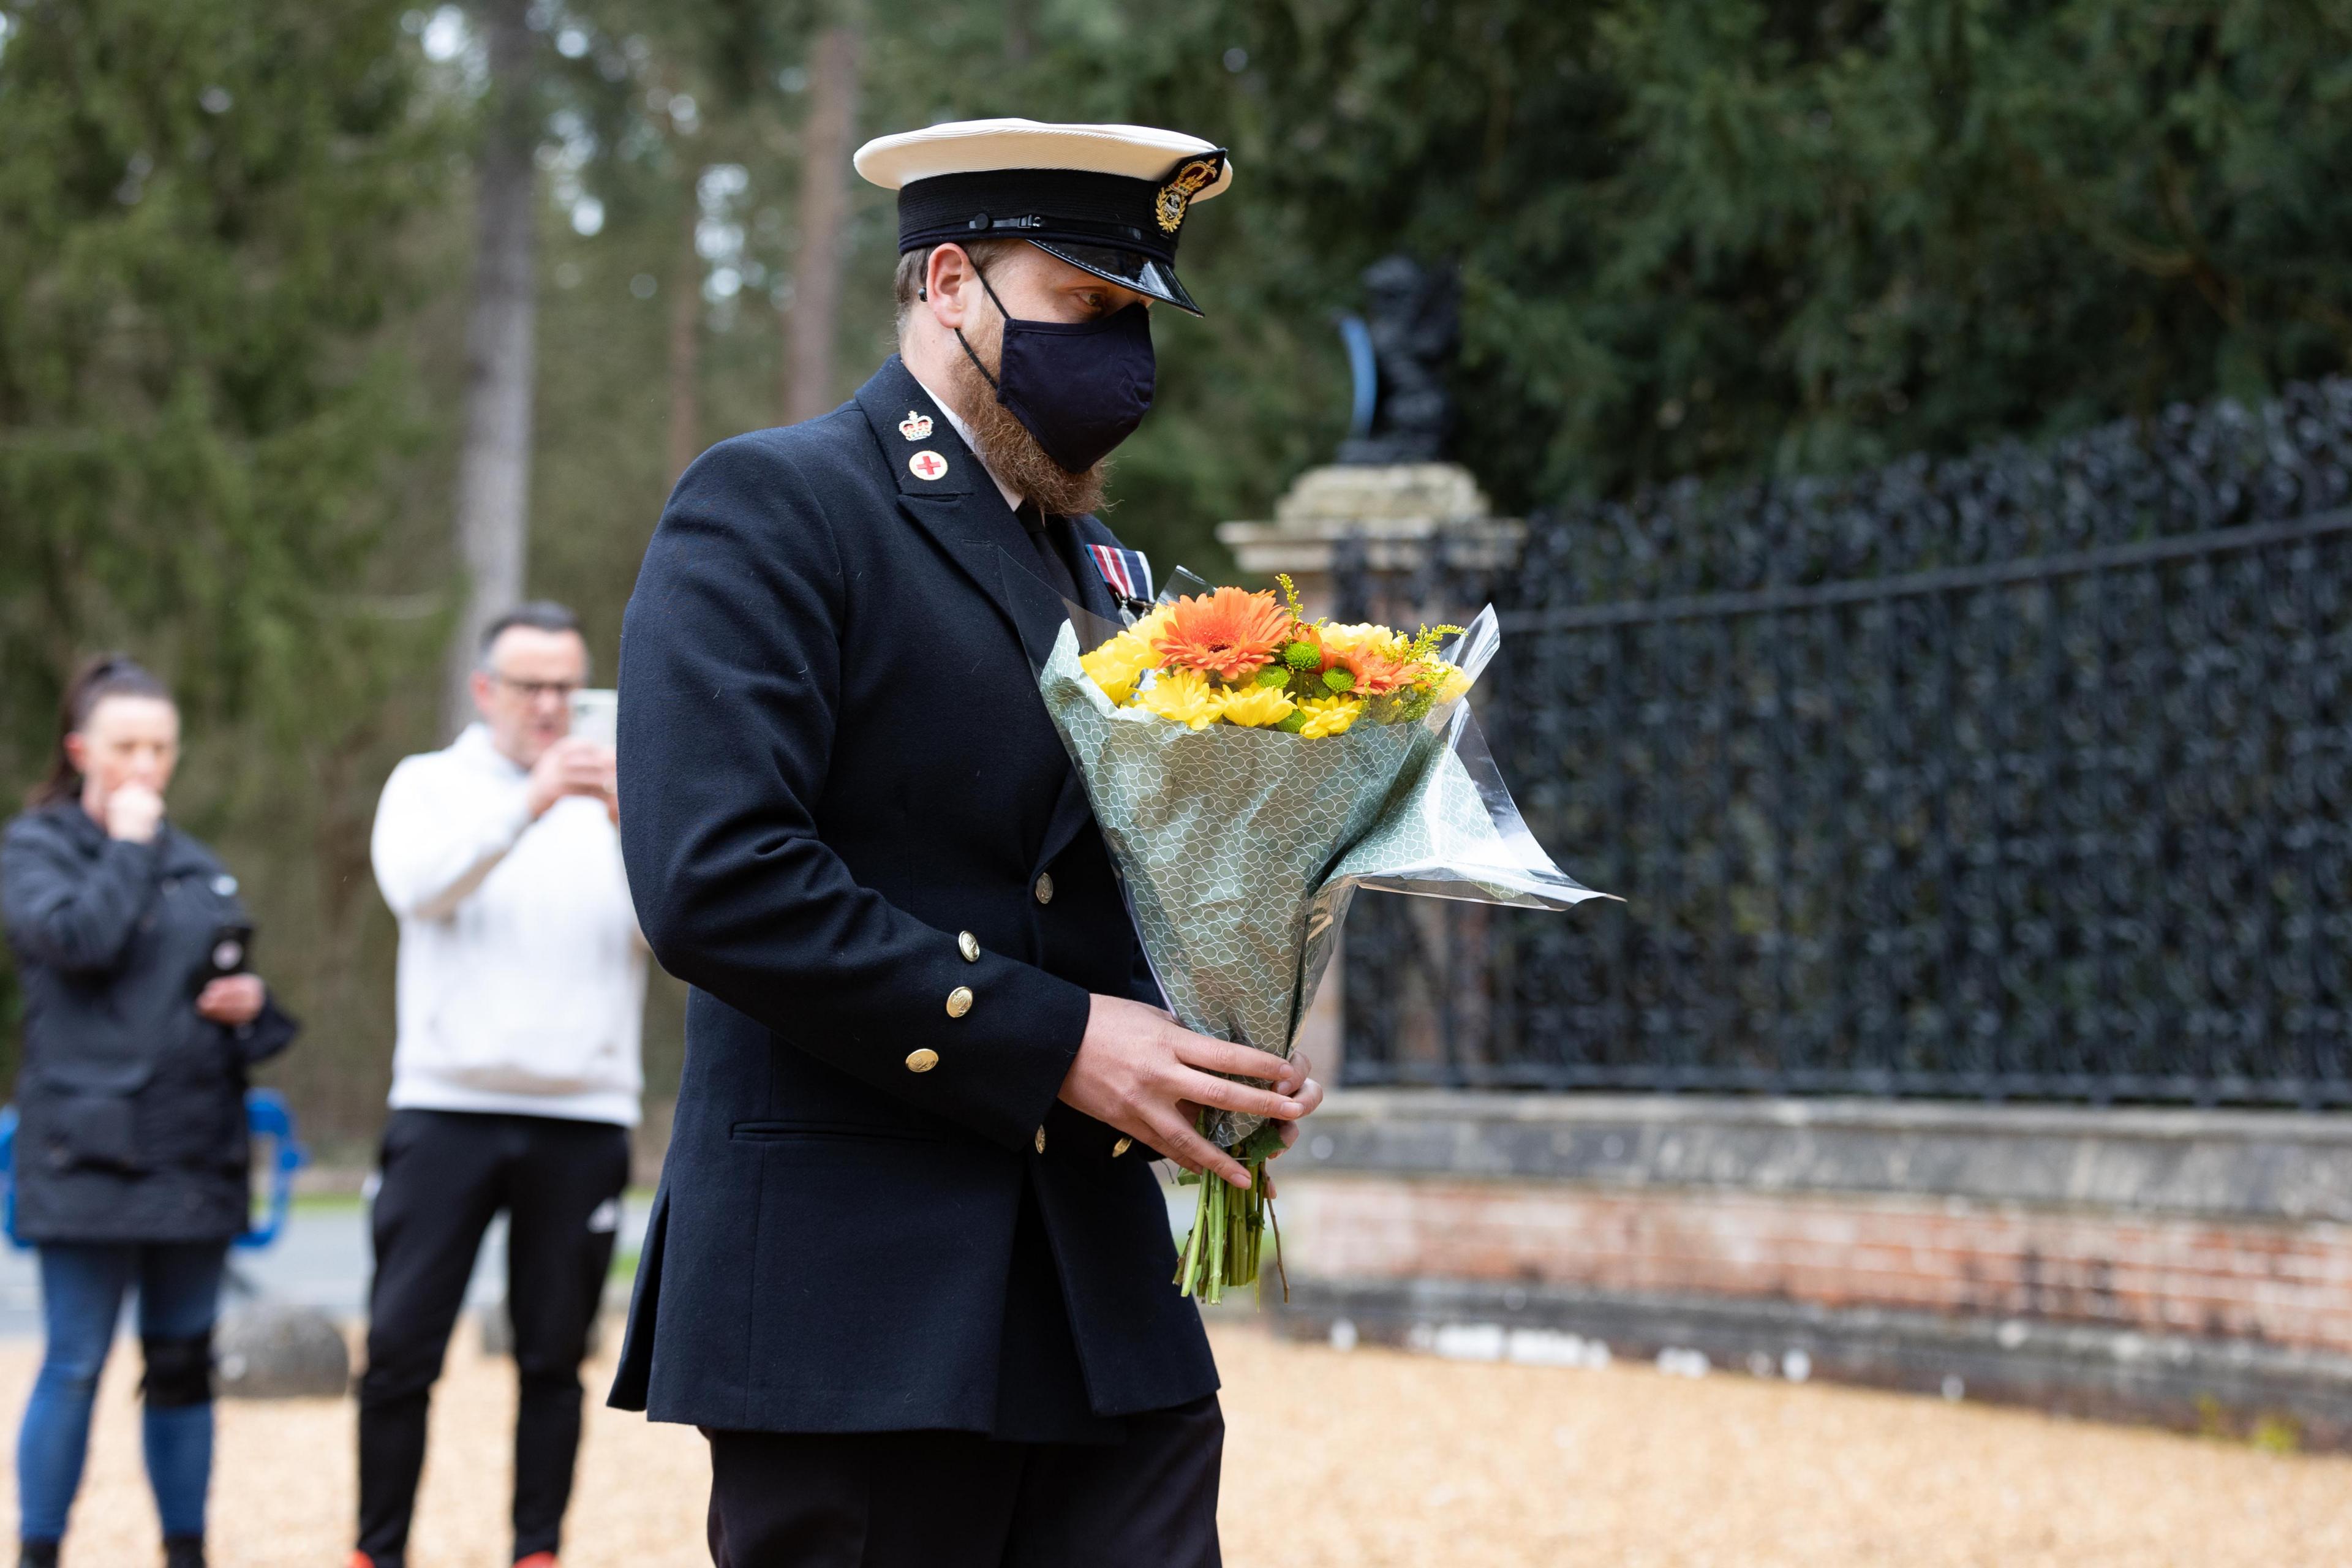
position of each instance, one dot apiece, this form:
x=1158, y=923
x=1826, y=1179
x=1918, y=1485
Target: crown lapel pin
x=915, y=426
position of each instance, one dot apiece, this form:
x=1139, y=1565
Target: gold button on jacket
x=1041, y=1140
x=1122, y=1147
x=1046, y=887
x=959, y=1001
x=969, y=945
x=923, y=1060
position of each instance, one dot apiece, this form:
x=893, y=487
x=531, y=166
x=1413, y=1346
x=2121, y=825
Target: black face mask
x=1080, y=387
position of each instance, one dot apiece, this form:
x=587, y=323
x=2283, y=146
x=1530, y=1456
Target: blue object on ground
x=266, y=1116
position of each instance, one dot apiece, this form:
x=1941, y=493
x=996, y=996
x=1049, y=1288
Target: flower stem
x=1227, y=1236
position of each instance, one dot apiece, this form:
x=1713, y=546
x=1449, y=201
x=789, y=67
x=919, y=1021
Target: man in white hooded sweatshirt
x=516, y=1076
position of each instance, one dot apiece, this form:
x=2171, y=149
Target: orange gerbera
x=1372, y=655
x=1230, y=634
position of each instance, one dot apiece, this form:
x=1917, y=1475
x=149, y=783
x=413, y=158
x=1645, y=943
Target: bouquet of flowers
x=1250, y=770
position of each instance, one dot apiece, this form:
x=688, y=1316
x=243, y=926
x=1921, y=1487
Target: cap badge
x=1190, y=177
x=915, y=426
x=927, y=465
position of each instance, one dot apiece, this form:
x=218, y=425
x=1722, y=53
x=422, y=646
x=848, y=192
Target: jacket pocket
x=91, y=1131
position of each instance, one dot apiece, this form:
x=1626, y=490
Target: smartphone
x=596, y=715
x=230, y=953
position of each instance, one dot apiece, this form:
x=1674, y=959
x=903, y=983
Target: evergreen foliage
x=1719, y=237
x=199, y=212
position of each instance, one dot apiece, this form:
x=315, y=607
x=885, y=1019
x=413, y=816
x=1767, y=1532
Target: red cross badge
x=927, y=465
x=915, y=426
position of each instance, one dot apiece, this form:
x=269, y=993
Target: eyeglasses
x=533, y=690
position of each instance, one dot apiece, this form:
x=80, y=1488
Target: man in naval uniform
x=910, y=1267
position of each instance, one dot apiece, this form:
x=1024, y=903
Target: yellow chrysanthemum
x=1456, y=681
x=1119, y=663
x=1185, y=696
x=1367, y=638
x=1258, y=706
x=1328, y=716
x=1152, y=622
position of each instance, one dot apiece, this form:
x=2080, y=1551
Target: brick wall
x=2179, y=1265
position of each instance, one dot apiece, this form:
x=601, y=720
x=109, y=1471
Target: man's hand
x=1139, y=1071
x=233, y=999
x=132, y=813
x=572, y=767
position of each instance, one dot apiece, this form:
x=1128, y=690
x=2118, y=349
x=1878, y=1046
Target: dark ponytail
x=107, y=675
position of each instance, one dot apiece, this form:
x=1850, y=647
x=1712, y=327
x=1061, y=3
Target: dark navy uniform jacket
x=838, y=781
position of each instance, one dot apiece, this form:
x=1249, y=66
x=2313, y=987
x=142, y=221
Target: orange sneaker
x=359, y=1560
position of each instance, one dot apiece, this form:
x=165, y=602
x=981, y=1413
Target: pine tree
x=201, y=220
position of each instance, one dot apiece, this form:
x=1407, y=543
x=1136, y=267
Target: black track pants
x=445, y=1174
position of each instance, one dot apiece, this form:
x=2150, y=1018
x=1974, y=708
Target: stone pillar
x=1395, y=513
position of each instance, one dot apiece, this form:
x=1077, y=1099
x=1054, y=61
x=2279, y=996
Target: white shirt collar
x=1013, y=498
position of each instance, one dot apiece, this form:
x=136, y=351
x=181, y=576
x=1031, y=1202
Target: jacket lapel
x=942, y=487
x=957, y=503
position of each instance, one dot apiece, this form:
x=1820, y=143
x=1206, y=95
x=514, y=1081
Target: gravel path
x=1391, y=1459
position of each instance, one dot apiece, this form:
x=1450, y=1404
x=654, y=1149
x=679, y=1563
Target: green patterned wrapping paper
x=1240, y=848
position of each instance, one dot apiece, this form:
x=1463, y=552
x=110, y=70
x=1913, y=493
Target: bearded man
x=908, y=1268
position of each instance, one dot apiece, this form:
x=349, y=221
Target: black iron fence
x=2027, y=774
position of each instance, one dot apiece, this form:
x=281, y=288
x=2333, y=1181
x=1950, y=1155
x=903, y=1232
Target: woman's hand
x=132, y=811
x=233, y=999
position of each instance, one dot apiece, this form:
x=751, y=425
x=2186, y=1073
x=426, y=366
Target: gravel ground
x=1384, y=1458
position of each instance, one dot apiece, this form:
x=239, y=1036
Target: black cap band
x=1077, y=215
x=1067, y=204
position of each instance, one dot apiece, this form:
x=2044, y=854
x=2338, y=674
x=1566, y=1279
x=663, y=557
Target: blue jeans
x=82, y=1285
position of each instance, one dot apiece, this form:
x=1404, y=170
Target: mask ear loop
x=1001, y=311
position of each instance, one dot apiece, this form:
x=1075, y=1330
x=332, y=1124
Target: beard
x=1011, y=454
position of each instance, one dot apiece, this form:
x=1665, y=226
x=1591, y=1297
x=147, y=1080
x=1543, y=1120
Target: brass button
x=969, y=945
x=1122, y=1147
x=1046, y=887
x=923, y=1060
x=1041, y=1140
x=959, y=1001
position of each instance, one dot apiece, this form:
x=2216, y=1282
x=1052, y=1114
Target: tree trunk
x=686, y=344
x=826, y=144
x=493, y=506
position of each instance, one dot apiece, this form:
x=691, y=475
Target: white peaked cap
x=982, y=147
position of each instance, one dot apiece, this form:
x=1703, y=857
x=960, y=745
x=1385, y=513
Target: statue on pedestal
x=1399, y=351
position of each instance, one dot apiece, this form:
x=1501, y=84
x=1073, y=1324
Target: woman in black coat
x=140, y=1023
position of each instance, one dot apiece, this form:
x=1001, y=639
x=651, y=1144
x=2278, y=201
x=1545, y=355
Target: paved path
x=1369, y=1459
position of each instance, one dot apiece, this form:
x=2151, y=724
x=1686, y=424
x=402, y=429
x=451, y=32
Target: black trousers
x=444, y=1174
x=956, y=1499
